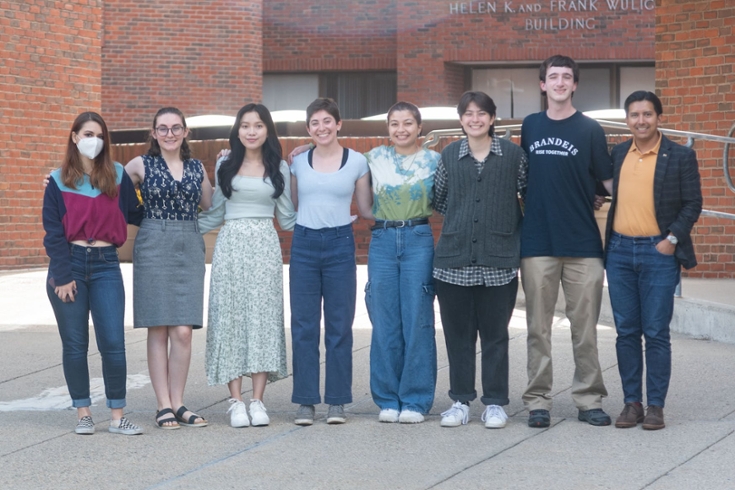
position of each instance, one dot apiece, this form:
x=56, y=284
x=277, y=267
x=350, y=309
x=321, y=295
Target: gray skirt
x=168, y=274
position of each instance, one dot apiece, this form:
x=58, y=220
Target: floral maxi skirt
x=245, y=332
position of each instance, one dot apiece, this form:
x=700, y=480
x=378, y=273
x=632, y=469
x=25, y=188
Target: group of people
x=506, y=207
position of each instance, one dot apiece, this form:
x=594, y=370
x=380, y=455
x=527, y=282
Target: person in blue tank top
x=560, y=241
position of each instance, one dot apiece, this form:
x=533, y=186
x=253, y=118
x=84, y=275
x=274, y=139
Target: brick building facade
x=50, y=72
x=127, y=58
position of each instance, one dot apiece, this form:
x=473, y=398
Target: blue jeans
x=641, y=281
x=100, y=291
x=322, y=268
x=400, y=301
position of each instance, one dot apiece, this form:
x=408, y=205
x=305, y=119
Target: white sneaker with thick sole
x=458, y=414
x=410, y=417
x=388, y=415
x=238, y=413
x=258, y=415
x=494, y=417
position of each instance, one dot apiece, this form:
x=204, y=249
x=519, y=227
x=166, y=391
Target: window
x=289, y=92
x=516, y=91
x=358, y=94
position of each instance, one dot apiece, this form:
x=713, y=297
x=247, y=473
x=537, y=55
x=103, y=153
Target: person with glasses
x=245, y=333
x=168, y=261
x=86, y=207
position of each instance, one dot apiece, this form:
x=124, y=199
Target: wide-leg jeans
x=400, y=301
x=322, y=269
x=100, y=291
x=642, y=281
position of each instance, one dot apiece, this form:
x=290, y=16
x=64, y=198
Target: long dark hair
x=272, y=153
x=155, y=149
x=104, y=175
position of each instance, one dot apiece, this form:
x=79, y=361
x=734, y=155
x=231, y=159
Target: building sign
x=553, y=15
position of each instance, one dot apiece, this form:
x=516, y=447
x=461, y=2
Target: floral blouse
x=167, y=198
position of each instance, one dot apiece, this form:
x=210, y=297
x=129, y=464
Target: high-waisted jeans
x=100, y=291
x=322, y=268
x=400, y=301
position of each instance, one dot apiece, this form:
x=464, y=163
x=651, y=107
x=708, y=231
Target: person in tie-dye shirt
x=400, y=289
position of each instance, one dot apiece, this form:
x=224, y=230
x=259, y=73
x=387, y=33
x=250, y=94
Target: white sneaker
x=458, y=414
x=388, y=415
x=494, y=417
x=258, y=414
x=238, y=413
x=410, y=417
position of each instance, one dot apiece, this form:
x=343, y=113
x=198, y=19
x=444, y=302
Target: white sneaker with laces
x=238, y=413
x=458, y=414
x=388, y=415
x=494, y=417
x=258, y=415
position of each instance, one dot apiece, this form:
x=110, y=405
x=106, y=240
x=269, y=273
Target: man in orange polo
x=657, y=199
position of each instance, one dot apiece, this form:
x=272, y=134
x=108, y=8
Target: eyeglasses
x=177, y=130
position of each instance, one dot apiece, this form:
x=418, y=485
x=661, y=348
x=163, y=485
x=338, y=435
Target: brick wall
x=204, y=57
x=49, y=74
x=435, y=39
x=329, y=35
x=695, y=55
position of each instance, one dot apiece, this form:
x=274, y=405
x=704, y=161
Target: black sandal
x=166, y=420
x=190, y=422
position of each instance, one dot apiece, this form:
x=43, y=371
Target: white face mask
x=90, y=147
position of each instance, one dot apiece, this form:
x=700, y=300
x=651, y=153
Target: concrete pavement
x=38, y=448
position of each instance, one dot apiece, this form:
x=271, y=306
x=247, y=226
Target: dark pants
x=100, y=291
x=642, y=281
x=322, y=268
x=465, y=311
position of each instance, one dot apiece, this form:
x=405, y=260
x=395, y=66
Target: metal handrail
x=432, y=139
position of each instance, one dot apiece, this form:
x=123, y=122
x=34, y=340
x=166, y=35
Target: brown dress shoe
x=654, y=418
x=631, y=415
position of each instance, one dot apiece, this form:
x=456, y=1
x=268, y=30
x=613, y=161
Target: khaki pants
x=581, y=280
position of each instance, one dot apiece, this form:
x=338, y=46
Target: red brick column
x=695, y=55
x=49, y=74
x=204, y=57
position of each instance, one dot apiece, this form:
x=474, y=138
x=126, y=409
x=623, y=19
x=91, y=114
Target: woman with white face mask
x=86, y=208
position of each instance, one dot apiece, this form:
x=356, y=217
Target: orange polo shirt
x=635, y=213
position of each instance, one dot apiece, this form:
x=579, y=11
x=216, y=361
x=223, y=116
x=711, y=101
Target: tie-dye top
x=403, y=186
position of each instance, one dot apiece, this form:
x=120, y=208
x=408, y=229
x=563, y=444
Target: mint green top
x=403, y=186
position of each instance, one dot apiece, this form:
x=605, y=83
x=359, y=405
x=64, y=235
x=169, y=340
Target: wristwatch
x=672, y=239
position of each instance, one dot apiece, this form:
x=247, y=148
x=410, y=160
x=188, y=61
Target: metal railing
x=433, y=138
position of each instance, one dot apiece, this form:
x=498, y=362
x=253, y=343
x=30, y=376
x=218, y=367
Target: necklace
x=411, y=159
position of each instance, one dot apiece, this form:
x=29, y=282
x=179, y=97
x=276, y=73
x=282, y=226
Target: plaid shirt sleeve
x=522, y=182
x=440, y=189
